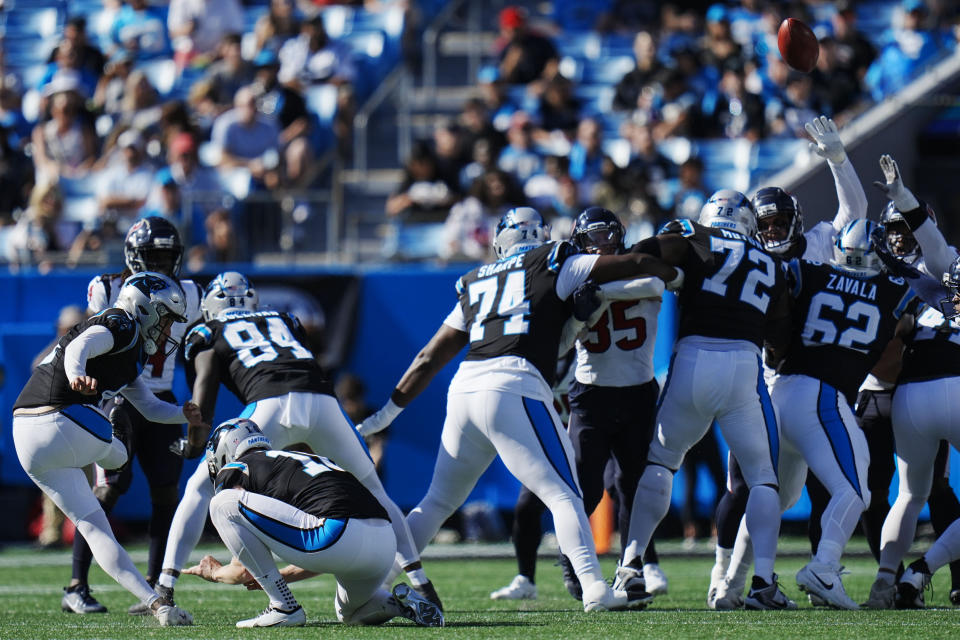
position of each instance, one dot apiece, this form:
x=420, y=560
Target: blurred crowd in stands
x=696, y=73
x=192, y=109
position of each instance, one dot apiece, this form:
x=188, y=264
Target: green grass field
x=30, y=590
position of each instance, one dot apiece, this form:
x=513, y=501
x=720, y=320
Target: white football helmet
x=229, y=290
x=232, y=439
x=519, y=230
x=729, y=209
x=155, y=301
x=853, y=250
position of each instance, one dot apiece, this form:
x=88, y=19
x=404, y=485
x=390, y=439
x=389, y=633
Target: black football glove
x=586, y=300
x=182, y=447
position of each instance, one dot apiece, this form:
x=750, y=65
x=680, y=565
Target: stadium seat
x=715, y=179
x=724, y=154
x=31, y=23
x=608, y=70
x=579, y=15
x=161, y=73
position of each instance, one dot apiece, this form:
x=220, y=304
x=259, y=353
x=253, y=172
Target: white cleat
x=276, y=618
x=882, y=595
x=823, y=580
x=600, y=597
x=172, y=616
x=520, y=588
x=656, y=579
x=717, y=578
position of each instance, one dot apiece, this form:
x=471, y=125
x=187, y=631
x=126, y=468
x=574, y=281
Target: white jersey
x=102, y=294
x=618, y=350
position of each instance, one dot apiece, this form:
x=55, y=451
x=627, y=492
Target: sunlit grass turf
x=31, y=582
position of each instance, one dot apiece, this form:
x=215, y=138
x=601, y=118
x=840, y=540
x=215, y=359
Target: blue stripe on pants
x=769, y=419
x=248, y=410
x=309, y=540
x=546, y=431
x=363, y=443
x=91, y=420
x=828, y=411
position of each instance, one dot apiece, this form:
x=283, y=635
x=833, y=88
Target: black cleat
x=428, y=592
x=570, y=579
x=77, y=599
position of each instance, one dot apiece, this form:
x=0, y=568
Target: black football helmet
x=779, y=219
x=897, y=234
x=153, y=244
x=951, y=280
x=598, y=230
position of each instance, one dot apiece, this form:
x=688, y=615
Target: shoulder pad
x=125, y=331
x=559, y=254
x=680, y=226
x=294, y=320
x=198, y=339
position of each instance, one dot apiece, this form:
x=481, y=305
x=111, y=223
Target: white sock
x=417, y=577
x=723, y=557
x=650, y=504
x=839, y=520
x=763, y=523
x=276, y=587
x=899, y=529
x=111, y=557
x=187, y=526
x=946, y=549
x=742, y=558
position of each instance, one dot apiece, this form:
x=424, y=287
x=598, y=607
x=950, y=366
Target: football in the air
x=798, y=45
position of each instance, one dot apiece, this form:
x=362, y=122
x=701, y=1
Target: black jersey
x=262, y=351
x=113, y=370
x=511, y=307
x=841, y=324
x=933, y=348
x=730, y=284
x=310, y=483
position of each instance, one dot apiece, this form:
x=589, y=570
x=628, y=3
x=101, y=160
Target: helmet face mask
x=779, y=219
x=153, y=244
x=729, y=209
x=155, y=301
x=950, y=306
x=853, y=250
x=230, y=440
x=229, y=290
x=598, y=231
x=519, y=230
x=900, y=241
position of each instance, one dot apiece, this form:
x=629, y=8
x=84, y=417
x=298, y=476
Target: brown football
x=798, y=45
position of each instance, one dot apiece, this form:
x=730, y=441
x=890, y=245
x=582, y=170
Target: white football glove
x=380, y=420
x=894, y=188
x=826, y=136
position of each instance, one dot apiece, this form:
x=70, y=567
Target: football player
x=612, y=402
x=58, y=429
x=922, y=403
x=260, y=356
x=780, y=229
x=314, y=515
x=511, y=313
x=152, y=244
x=733, y=296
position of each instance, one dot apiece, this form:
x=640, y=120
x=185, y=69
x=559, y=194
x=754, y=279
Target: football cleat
x=77, y=599
x=728, y=596
x=600, y=597
x=655, y=579
x=428, y=592
x=882, y=595
x=272, y=617
x=169, y=615
x=817, y=601
x=520, y=588
x=139, y=609
x=912, y=584
x=629, y=579
x=766, y=596
x=823, y=580
x=570, y=579
x=955, y=597
x=417, y=608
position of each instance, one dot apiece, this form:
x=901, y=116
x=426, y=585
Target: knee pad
x=107, y=495
x=167, y=495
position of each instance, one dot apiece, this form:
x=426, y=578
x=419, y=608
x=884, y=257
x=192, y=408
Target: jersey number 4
x=600, y=339
x=253, y=347
x=513, y=304
x=764, y=275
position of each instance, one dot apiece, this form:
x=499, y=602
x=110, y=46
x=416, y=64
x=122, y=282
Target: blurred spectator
x=9, y=78
x=567, y=202
x=586, y=156
x=912, y=48
x=91, y=59
x=229, y=72
x=424, y=195
x=835, y=88
x=558, y=109
x=483, y=161
x=199, y=189
x=800, y=105
x=519, y=158
x=139, y=28
x=854, y=53
x=36, y=231
x=197, y=27
x=468, y=229
x=628, y=16
x=112, y=85
x=16, y=176
x=16, y=127
x=735, y=113
x=691, y=193
x=746, y=23
x=524, y=55
x=165, y=200
x=276, y=26
x=646, y=161
x=314, y=58
x=717, y=46
x=629, y=88
x=141, y=107
x=220, y=246
x=543, y=188
x=493, y=93
x=64, y=145
x=288, y=108
x=476, y=125
x=246, y=138
x=66, y=69
x=674, y=105
x=124, y=187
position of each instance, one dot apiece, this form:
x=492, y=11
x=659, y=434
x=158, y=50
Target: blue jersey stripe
x=546, y=431
x=248, y=410
x=311, y=540
x=353, y=428
x=90, y=420
x=829, y=413
x=769, y=419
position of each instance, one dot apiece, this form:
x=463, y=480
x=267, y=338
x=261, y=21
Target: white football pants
x=314, y=418
x=923, y=414
x=530, y=439
x=358, y=552
x=53, y=449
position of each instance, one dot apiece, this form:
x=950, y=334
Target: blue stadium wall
x=398, y=311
